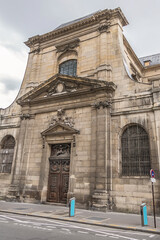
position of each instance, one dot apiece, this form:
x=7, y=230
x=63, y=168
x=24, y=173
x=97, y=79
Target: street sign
x=152, y=173
x=153, y=180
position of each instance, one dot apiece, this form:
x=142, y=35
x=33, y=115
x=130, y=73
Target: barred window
x=6, y=154
x=68, y=67
x=135, y=152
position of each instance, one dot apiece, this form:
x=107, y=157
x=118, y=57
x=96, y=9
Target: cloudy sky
x=21, y=19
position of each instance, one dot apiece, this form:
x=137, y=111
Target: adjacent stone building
x=86, y=121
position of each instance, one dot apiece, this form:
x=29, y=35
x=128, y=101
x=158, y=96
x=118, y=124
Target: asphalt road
x=17, y=227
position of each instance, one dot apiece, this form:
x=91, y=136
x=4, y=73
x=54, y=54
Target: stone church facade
x=86, y=121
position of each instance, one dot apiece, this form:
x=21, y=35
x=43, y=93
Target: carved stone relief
x=63, y=87
x=61, y=118
x=68, y=46
x=104, y=26
x=102, y=104
x=60, y=151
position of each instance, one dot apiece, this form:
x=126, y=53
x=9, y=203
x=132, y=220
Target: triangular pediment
x=59, y=129
x=62, y=85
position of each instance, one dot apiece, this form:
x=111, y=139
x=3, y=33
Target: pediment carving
x=63, y=85
x=59, y=129
x=67, y=46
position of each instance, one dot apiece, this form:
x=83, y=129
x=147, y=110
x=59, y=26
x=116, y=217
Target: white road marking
x=11, y=218
x=65, y=229
x=51, y=226
x=83, y=232
x=70, y=226
x=113, y=237
x=151, y=236
x=107, y=233
x=100, y=235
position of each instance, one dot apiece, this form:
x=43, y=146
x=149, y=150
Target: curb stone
x=115, y=226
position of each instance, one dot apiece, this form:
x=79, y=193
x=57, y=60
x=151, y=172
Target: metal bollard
x=72, y=207
x=143, y=209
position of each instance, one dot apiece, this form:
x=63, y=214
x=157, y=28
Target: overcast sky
x=21, y=19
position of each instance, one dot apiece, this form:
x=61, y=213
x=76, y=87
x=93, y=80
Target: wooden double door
x=59, y=173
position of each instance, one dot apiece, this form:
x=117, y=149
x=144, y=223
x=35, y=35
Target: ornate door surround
x=58, y=180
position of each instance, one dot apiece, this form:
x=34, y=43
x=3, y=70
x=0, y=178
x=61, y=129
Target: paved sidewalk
x=108, y=219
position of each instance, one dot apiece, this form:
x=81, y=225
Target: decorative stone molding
x=62, y=119
x=135, y=75
x=62, y=86
x=104, y=26
x=25, y=116
x=100, y=200
x=44, y=140
x=9, y=126
x=104, y=71
x=68, y=45
x=36, y=51
x=103, y=104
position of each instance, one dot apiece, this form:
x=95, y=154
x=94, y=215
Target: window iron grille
x=135, y=152
x=6, y=154
x=68, y=67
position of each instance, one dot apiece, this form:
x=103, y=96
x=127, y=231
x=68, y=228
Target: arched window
x=68, y=67
x=6, y=154
x=135, y=152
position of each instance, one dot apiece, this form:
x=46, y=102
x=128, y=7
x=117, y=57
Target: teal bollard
x=144, y=220
x=72, y=207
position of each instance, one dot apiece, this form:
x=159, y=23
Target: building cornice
x=75, y=26
x=130, y=50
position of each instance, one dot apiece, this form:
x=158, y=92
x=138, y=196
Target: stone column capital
x=103, y=104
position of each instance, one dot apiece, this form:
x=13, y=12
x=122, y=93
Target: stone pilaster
x=100, y=197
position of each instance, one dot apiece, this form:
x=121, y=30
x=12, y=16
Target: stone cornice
x=136, y=59
x=75, y=26
x=132, y=111
x=130, y=50
x=9, y=126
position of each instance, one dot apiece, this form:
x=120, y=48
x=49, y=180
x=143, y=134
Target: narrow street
x=18, y=227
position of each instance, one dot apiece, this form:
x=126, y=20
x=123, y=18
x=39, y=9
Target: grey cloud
x=17, y=49
x=34, y=17
x=10, y=83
